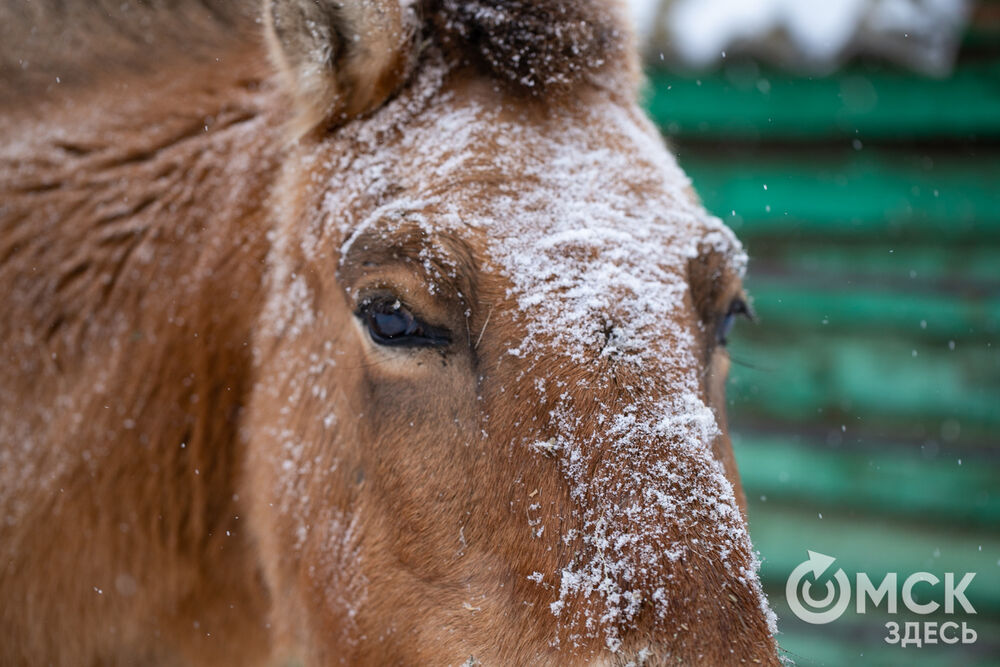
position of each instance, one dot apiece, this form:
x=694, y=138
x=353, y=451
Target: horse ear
x=340, y=59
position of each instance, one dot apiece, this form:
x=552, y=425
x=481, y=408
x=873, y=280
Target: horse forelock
x=539, y=47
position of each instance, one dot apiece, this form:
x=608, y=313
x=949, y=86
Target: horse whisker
x=488, y=316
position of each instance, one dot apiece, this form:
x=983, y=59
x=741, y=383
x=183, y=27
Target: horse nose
x=663, y=550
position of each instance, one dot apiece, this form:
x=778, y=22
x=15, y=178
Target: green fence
x=866, y=403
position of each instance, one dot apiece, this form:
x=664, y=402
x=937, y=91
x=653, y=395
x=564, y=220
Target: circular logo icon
x=827, y=608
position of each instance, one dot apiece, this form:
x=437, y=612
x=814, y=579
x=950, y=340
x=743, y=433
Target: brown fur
x=142, y=517
x=128, y=255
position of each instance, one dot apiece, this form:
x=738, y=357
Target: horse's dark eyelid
x=410, y=331
x=741, y=307
x=736, y=308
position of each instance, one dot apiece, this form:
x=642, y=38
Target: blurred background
x=854, y=146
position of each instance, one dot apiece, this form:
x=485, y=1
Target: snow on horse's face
x=490, y=418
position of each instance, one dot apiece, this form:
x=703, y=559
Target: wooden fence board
x=824, y=302
x=859, y=102
x=866, y=381
x=875, y=545
x=899, y=481
x=843, y=195
x=914, y=266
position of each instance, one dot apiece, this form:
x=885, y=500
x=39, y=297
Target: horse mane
x=77, y=39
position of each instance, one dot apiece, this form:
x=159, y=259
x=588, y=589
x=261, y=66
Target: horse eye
x=737, y=308
x=390, y=323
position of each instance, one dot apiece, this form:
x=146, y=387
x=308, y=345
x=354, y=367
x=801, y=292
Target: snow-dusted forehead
x=584, y=211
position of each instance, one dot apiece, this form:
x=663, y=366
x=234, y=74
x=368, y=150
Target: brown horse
x=407, y=348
